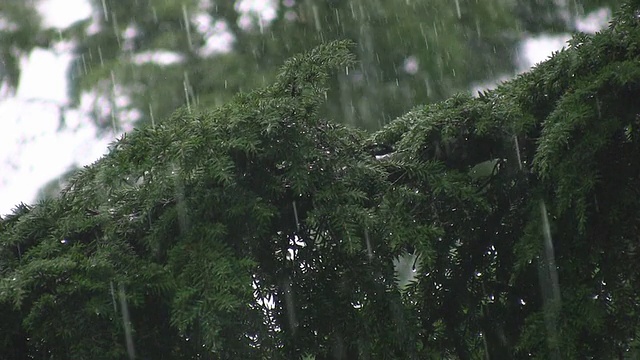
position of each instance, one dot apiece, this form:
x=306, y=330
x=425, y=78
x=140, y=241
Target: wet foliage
x=137, y=61
x=260, y=229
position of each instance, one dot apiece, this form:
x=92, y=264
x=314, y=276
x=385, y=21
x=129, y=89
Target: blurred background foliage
x=139, y=60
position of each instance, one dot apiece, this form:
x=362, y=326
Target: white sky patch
x=594, y=21
x=62, y=13
x=218, y=37
x=534, y=50
x=160, y=57
x=32, y=150
x=260, y=11
x=43, y=77
x=266, y=9
x=203, y=23
x=219, y=40
x=539, y=49
x=129, y=35
x=411, y=65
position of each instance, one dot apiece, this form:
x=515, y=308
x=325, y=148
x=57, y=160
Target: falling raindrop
x=515, y=138
x=369, y=249
x=113, y=297
x=84, y=64
x=548, y=275
x=316, y=18
x=153, y=121
x=126, y=321
x=295, y=213
x=458, y=12
x=100, y=56
x=113, y=101
x=187, y=25
x=104, y=10
x=115, y=28
x=549, y=252
x=183, y=219
x=186, y=86
x=291, y=312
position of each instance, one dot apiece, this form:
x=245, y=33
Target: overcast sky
x=32, y=149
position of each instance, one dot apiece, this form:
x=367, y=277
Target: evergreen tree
x=260, y=229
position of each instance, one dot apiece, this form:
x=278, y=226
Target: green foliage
x=411, y=52
x=439, y=37
x=20, y=32
x=259, y=229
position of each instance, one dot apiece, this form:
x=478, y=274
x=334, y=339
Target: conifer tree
x=260, y=229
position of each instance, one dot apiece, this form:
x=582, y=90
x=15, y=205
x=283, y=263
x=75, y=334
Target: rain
x=320, y=180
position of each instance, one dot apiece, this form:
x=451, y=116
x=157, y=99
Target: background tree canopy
x=410, y=52
x=138, y=61
x=260, y=229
